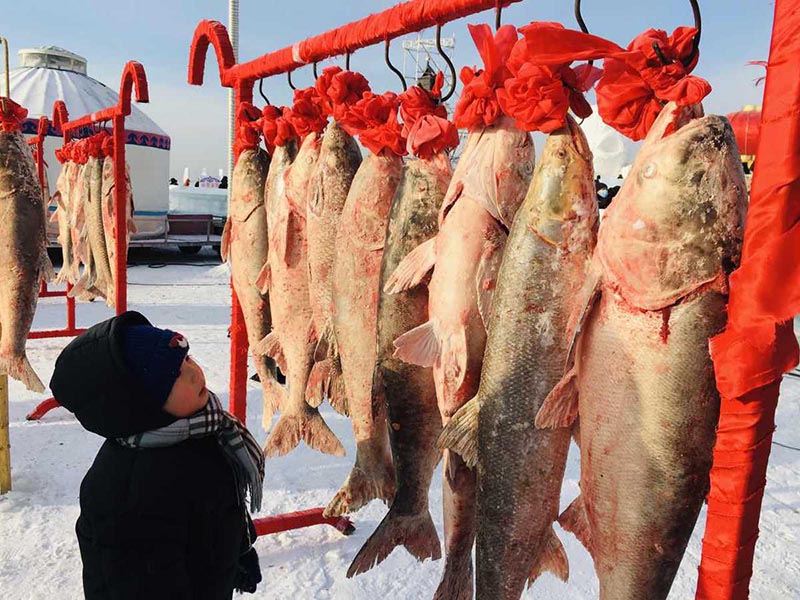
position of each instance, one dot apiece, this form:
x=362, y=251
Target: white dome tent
x=612, y=151
x=47, y=74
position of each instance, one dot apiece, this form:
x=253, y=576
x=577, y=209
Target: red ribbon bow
x=12, y=118
x=108, y=145
x=277, y=129
x=425, y=124
x=307, y=114
x=636, y=84
x=417, y=102
x=338, y=90
x=538, y=97
x=478, y=105
x=248, y=131
x=374, y=120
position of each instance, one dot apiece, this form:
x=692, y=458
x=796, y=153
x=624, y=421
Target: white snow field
x=39, y=556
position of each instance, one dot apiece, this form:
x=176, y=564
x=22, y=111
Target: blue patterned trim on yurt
x=132, y=138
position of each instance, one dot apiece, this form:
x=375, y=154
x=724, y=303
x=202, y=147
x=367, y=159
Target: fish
x=408, y=389
x=61, y=216
x=338, y=162
x=641, y=376
x=244, y=244
x=285, y=278
x=109, y=210
x=488, y=185
x=24, y=263
x=360, y=242
x=520, y=467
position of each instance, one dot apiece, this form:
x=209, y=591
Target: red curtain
x=758, y=345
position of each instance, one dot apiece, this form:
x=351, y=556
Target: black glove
x=248, y=572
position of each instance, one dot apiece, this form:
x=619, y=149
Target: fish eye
x=649, y=171
x=562, y=153
x=528, y=167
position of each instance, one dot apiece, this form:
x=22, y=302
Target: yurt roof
x=38, y=87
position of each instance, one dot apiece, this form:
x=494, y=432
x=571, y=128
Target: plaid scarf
x=238, y=445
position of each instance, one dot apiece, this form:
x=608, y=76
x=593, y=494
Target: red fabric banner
x=758, y=345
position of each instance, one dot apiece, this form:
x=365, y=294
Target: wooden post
x=5, y=445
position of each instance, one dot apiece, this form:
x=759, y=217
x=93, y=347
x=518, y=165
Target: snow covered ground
x=39, y=556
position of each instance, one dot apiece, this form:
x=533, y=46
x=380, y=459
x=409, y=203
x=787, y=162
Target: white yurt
x=48, y=74
x=612, y=151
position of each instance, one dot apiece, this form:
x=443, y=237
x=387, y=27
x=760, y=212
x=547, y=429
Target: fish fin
x=552, y=557
x=326, y=381
x=283, y=235
x=46, y=270
x=576, y=432
x=264, y=279
x=416, y=533
x=575, y=520
x=560, y=407
x=317, y=385
x=419, y=346
x=326, y=345
x=270, y=346
x=132, y=226
x=360, y=489
x=308, y=426
x=461, y=433
x=454, y=360
x=413, y=268
x=486, y=278
x=225, y=244
x=19, y=368
x=273, y=398
x=589, y=293
x=457, y=579
x=337, y=394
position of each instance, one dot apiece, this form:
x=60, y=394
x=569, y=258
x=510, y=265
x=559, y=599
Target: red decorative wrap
x=61, y=156
x=248, y=132
x=758, y=345
x=108, y=145
x=12, y=118
x=307, y=114
x=539, y=97
x=339, y=89
x=277, y=129
x=425, y=124
x=374, y=120
x=635, y=85
x=478, y=105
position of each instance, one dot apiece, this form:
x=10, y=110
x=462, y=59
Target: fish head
x=677, y=222
x=562, y=199
x=514, y=159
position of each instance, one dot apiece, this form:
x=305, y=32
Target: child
x=163, y=512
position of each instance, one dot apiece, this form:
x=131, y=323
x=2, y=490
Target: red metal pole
x=121, y=217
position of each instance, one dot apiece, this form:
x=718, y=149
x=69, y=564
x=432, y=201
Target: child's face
x=189, y=394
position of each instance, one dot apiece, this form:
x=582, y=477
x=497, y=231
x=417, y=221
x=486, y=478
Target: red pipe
x=298, y=520
x=42, y=409
x=55, y=333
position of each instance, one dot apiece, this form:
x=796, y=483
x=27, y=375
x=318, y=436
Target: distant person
x=223, y=183
x=163, y=507
x=197, y=183
x=173, y=181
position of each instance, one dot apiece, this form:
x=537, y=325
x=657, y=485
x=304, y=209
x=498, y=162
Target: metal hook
x=289, y=77
x=393, y=68
x=261, y=91
x=498, y=15
x=315, y=71
x=450, y=65
x=698, y=23
x=347, y=61
x=581, y=22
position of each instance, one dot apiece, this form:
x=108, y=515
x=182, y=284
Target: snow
x=39, y=552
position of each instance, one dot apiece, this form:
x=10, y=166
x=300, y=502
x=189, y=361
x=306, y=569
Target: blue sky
x=158, y=34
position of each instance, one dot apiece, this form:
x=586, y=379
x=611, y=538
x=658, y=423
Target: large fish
x=356, y=276
x=488, y=185
x=97, y=276
x=23, y=258
x=648, y=403
x=338, y=162
x=61, y=215
x=409, y=389
x=520, y=467
x=285, y=278
x=109, y=210
x=244, y=243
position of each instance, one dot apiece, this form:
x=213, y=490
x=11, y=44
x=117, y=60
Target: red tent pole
x=758, y=345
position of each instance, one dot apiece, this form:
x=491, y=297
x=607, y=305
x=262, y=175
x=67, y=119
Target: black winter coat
x=161, y=523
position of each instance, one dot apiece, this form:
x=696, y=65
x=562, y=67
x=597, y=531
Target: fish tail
x=308, y=426
x=575, y=520
x=19, y=368
x=416, y=533
x=361, y=488
x=461, y=433
x=560, y=407
x=326, y=380
x=552, y=557
x=456, y=581
x=273, y=394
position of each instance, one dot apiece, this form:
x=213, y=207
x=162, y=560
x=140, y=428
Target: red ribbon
x=374, y=120
x=478, y=106
x=108, y=145
x=425, y=124
x=307, y=114
x=338, y=90
x=635, y=84
x=277, y=129
x=12, y=118
x=248, y=131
